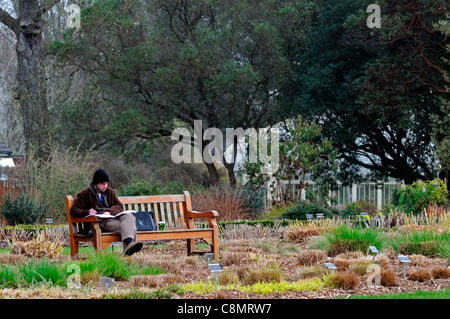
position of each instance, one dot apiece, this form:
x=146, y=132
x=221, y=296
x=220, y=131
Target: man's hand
x=92, y=211
x=107, y=213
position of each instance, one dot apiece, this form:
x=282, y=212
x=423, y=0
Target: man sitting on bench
x=98, y=198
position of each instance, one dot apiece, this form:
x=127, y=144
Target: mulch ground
x=190, y=270
x=198, y=271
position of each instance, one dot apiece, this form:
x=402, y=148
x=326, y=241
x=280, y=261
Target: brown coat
x=86, y=199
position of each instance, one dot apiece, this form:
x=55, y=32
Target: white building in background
x=6, y=162
x=379, y=193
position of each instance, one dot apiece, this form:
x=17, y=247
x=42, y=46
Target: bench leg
x=73, y=248
x=215, y=245
x=105, y=244
x=215, y=249
x=97, y=237
x=190, y=246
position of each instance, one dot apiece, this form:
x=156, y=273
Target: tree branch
x=428, y=84
x=435, y=67
x=9, y=21
x=47, y=6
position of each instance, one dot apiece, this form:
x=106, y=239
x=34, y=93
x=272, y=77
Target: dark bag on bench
x=144, y=221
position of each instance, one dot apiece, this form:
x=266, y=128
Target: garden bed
x=289, y=264
x=258, y=261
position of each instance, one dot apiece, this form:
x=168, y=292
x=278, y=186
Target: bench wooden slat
x=162, y=214
x=180, y=209
x=150, y=209
x=151, y=199
x=175, y=215
x=155, y=213
x=169, y=212
x=170, y=216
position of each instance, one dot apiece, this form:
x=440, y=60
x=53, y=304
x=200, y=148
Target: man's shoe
x=133, y=248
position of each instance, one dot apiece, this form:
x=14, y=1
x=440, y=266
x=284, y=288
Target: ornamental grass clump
x=419, y=275
x=269, y=273
x=346, y=238
x=440, y=272
x=168, y=263
x=236, y=258
x=360, y=267
x=228, y=276
x=115, y=265
x=388, y=278
x=43, y=272
x=33, y=272
x=311, y=257
x=300, y=231
x=8, y=276
x=345, y=279
x=426, y=242
x=307, y=272
x=38, y=247
x=155, y=280
x=444, y=251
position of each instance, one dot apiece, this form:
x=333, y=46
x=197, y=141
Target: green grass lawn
x=419, y=294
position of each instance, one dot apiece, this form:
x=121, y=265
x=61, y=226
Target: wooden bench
x=174, y=210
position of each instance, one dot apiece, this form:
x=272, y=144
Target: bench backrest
x=170, y=209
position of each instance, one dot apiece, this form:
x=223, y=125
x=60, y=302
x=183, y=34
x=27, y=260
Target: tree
x=157, y=65
x=303, y=153
x=440, y=133
x=32, y=91
x=10, y=123
x=373, y=90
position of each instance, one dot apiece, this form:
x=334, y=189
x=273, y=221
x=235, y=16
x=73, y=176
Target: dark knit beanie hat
x=100, y=176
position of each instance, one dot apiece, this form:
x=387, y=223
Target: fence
x=379, y=193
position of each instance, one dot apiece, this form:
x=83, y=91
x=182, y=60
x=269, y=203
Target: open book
x=112, y=216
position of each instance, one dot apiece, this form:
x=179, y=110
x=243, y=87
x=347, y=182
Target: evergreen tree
x=373, y=90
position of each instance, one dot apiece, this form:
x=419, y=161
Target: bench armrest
x=207, y=214
x=210, y=214
x=90, y=219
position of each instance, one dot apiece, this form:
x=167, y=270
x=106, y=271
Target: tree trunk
x=230, y=166
x=31, y=92
x=213, y=174
x=231, y=176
